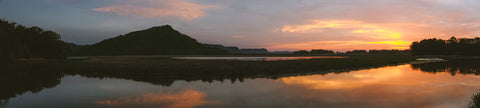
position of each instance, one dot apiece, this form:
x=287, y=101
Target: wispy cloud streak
x=159, y=9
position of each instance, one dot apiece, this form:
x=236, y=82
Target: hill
x=160, y=40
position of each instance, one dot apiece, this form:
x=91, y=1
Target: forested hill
x=19, y=41
x=153, y=41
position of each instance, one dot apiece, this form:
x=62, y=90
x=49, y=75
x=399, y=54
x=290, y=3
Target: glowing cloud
x=445, y=1
x=186, y=99
x=356, y=35
x=320, y=24
x=238, y=36
x=344, y=45
x=164, y=8
x=372, y=30
x=380, y=33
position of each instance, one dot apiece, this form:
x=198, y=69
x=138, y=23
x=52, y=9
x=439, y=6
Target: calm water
x=404, y=86
x=256, y=58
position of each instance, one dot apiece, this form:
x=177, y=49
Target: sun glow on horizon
x=399, y=45
x=373, y=30
x=367, y=35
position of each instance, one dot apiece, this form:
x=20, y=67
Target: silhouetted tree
x=389, y=52
x=321, y=51
x=357, y=52
x=301, y=52
x=453, y=46
x=21, y=42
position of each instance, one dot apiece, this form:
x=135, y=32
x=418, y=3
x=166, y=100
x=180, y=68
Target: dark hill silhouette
x=153, y=41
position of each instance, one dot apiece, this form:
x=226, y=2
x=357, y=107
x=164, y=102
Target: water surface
x=257, y=58
x=404, y=86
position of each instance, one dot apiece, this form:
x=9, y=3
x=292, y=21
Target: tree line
x=452, y=46
x=355, y=52
x=19, y=41
x=314, y=51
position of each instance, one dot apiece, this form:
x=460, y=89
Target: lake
x=430, y=85
x=257, y=58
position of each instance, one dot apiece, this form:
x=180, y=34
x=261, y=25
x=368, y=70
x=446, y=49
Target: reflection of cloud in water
x=392, y=87
x=185, y=99
x=342, y=81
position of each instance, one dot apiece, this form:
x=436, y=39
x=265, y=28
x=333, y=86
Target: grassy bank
x=475, y=100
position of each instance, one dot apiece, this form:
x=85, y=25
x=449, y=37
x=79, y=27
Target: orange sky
x=273, y=24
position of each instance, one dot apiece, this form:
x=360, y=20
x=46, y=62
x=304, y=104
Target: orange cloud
x=372, y=30
x=400, y=44
x=176, y=8
x=186, y=99
x=238, y=36
x=320, y=24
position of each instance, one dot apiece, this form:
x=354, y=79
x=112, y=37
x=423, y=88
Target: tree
x=22, y=42
x=321, y=51
x=301, y=52
x=357, y=52
x=453, y=46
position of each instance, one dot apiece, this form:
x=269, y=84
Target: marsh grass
x=475, y=100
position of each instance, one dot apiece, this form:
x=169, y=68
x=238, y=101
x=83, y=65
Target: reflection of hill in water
x=464, y=66
x=165, y=72
x=20, y=78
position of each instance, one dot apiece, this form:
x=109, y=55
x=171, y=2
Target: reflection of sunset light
x=397, y=86
x=343, y=81
x=186, y=99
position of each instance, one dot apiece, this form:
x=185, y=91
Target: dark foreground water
x=404, y=86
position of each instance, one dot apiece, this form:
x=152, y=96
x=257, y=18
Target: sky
x=277, y=25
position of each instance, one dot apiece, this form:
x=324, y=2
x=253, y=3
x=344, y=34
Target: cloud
x=238, y=36
x=372, y=30
x=343, y=45
x=159, y=9
x=263, y=23
x=445, y=1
